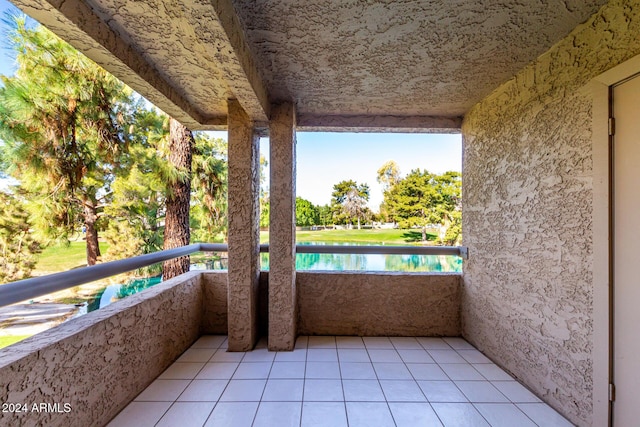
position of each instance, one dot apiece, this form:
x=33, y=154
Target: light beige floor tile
x=321, y=342
x=543, y=415
x=504, y=415
x=203, y=391
x=481, y=392
x=163, y=391
x=243, y=391
x=392, y=371
x=252, y=371
x=442, y=391
x=427, y=371
x=432, y=343
x=210, y=341
x=362, y=391
x=297, y=355
x=402, y=391
x=197, y=355
x=385, y=356
x=474, y=356
x=323, y=370
x=353, y=355
x=322, y=355
x=380, y=343
x=323, y=391
x=186, y=414
x=459, y=415
x=515, y=392
x=259, y=355
x=181, y=371
x=414, y=414
x=217, y=371
x=368, y=414
x=405, y=343
x=283, y=391
x=446, y=356
x=458, y=343
x=415, y=356
x=357, y=371
x=236, y=414
x=349, y=342
x=492, y=372
x=324, y=414
x=222, y=355
x=140, y=414
x=280, y=414
x=287, y=370
x=459, y=371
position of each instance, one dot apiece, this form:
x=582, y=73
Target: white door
x=626, y=253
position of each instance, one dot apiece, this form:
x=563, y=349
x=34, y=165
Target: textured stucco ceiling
x=420, y=57
x=346, y=63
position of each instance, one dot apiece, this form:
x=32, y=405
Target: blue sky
x=324, y=159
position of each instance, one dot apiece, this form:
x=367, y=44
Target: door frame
x=601, y=89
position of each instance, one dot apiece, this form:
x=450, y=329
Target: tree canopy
x=422, y=199
x=61, y=120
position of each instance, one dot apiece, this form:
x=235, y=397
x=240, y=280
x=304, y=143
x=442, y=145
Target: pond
x=314, y=262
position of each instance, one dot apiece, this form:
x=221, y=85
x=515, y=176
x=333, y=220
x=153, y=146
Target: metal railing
x=23, y=290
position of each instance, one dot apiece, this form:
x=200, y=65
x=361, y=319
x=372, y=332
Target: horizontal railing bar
x=22, y=290
x=382, y=250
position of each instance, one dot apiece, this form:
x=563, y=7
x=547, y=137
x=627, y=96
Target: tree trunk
x=176, y=229
x=91, y=232
x=424, y=234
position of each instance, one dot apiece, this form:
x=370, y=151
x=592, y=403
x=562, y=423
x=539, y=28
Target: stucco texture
x=374, y=304
x=528, y=193
x=244, y=231
x=99, y=362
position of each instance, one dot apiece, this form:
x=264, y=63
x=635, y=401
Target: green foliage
x=18, y=248
x=349, y=201
x=423, y=198
x=307, y=214
x=265, y=211
x=60, y=120
x=138, y=189
x=209, y=190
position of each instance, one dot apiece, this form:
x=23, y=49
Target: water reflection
x=372, y=262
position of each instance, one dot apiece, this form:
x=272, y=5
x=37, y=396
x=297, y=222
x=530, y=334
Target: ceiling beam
x=75, y=22
x=237, y=64
x=372, y=123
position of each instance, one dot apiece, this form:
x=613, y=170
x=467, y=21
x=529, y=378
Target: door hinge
x=612, y=392
x=612, y=126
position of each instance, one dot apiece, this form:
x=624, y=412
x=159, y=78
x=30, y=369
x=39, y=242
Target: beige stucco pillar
x=244, y=231
x=282, y=228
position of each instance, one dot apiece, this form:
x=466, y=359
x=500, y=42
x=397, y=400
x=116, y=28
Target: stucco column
x=282, y=228
x=244, y=231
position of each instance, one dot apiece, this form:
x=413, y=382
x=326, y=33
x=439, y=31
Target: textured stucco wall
x=244, y=231
x=371, y=304
x=99, y=362
x=282, y=228
x=528, y=194
x=214, y=302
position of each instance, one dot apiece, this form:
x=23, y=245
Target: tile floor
x=337, y=381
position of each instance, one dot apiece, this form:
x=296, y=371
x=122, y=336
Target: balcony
x=161, y=356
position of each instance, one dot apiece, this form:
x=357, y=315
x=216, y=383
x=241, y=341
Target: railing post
x=282, y=228
x=244, y=231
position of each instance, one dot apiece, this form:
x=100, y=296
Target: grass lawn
x=373, y=237
x=6, y=341
x=63, y=258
